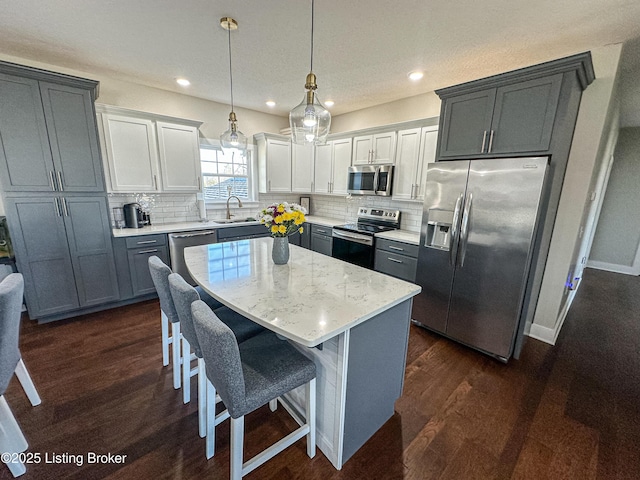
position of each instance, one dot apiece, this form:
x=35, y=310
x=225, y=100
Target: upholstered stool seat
x=247, y=376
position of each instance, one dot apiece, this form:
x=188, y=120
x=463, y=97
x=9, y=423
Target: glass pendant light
x=310, y=121
x=232, y=140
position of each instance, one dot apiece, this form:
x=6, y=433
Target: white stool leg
x=311, y=417
x=237, y=443
x=27, y=383
x=202, y=398
x=17, y=468
x=166, y=340
x=186, y=371
x=273, y=404
x=11, y=438
x=175, y=334
x=211, y=420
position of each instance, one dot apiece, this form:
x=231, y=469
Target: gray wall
x=618, y=232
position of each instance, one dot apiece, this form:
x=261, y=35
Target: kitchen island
x=357, y=320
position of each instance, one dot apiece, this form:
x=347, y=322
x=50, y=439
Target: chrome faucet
x=239, y=205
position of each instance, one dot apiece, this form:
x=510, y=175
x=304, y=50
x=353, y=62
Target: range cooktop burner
x=367, y=229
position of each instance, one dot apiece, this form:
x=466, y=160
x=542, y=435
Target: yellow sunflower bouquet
x=283, y=219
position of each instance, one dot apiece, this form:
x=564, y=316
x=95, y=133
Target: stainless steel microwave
x=370, y=180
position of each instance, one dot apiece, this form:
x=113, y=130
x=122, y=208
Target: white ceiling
x=364, y=49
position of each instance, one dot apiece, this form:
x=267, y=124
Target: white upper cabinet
x=179, y=151
x=332, y=162
x=378, y=148
x=322, y=168
x=149, y=153
x=131, y=154
x=416, y=148
x=274, y=163
x=302, y=157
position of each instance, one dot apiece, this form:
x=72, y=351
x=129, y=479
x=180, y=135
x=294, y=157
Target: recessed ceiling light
x=183, y=82
x=417, y=75
x=270, y=103
x=329, y=103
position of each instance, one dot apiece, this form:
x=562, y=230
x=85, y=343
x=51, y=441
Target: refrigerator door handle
x=453, y=238
x=464, y=229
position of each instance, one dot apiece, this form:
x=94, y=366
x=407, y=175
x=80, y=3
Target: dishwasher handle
x=194, y=234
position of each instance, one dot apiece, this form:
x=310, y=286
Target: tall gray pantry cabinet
x=53, y=186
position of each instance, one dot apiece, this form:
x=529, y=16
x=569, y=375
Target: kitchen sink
x=233, y=220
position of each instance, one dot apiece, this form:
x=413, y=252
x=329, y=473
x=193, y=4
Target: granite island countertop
x=309, y=300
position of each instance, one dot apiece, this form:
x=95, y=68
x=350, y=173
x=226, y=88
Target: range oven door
x=353, y=247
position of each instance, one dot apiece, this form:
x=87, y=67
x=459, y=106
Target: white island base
x=360, y=376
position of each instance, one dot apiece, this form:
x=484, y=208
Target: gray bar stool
x=183, y=296
x=249, y=375
x=160, y=275
x=11, y=437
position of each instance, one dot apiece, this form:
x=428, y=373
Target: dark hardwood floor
x=570, y=411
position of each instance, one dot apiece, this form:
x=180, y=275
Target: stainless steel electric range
x=355, y=242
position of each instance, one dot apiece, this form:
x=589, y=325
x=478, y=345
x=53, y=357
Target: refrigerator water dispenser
x=439, y=229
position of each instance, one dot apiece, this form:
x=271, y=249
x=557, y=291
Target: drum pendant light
x=232, y=140
x=310, y=121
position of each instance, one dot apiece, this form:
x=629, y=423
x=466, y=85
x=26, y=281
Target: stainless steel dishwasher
x=179, y=241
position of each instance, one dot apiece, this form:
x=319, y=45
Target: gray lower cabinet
x=321, y=240
x=139, y=249
x=48, y=137
x=63, y=249
x=397, y=259
x=302, y=239
x=241, y=232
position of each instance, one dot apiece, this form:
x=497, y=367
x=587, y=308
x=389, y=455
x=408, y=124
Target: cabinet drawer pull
x=52, y=181
x=142, y=252
x=391, y=247
x=484, y=140
x=146, y=242
x=320, y=231
x=60, y=181
x=57, y=202
x=155, y=182
x=394, y=260
x=490, y=141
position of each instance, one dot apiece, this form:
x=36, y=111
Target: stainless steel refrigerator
x=476, y=243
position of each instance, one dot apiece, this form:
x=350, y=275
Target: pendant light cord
x=230, y=71
x=312, y=22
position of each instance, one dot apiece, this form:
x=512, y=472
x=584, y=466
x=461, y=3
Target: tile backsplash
x=171, y=208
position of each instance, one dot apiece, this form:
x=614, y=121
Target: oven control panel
x=391, y=216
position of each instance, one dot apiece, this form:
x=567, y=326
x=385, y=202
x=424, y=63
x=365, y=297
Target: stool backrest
x=221, y=357
x=11, y=291
x=183, y=296
x=160, y=272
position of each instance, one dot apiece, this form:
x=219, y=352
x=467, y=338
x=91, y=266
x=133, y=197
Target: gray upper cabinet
x=511, y=113
x=48, y=137
x=70, y=120
x=465, y=119
x=72, y=265
x=25, y=156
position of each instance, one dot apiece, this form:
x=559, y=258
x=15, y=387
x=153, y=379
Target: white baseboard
x=544, y=334
x=612, y=267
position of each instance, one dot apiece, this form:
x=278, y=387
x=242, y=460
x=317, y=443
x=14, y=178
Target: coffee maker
x=134, y=217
